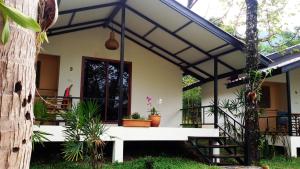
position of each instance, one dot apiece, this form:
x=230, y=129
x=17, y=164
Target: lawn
x=166, y=163
x=158, y=163
x=282, y=163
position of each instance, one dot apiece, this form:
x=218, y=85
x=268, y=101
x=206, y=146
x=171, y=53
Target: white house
x=280, y=96
x=160, y=41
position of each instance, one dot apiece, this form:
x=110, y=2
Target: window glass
x=101, y=79
x=265, y=101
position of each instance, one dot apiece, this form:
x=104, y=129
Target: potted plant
x=42, y=117
x=135, y=120
x=154, y=115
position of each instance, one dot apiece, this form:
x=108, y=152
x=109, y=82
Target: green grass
x=159, y=163
x=282, y=163
x=166, y=163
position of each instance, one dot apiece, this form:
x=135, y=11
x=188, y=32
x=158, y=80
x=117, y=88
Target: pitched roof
x=164, y=27
x=283, y=61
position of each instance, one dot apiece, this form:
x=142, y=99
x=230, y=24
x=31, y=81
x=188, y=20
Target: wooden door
x=47, y=74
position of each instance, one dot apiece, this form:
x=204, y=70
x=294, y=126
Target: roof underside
x=284, y=61
x=164, y=27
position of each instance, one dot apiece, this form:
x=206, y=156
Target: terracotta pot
x=136, y=123
x=155, y=120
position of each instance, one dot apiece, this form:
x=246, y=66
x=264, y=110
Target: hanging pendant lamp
x=112, y=43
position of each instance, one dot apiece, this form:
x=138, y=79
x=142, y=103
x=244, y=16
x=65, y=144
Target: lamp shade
x=112, y=43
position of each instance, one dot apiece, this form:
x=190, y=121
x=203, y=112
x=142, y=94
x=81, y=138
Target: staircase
x=228, y=147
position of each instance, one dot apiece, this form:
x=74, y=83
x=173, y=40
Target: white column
x=293, y=147
x=216, y=151
x=118, y=148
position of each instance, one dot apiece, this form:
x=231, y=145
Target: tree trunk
x=252, y=61
x=17, y=90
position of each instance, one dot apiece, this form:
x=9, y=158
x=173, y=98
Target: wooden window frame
x=84, y=58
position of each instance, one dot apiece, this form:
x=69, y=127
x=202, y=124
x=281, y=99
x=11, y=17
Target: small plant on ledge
x=136, y=115
x=135, y=120
x=154, y=115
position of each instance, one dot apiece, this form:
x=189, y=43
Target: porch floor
x=119, y=134
x=137, y=133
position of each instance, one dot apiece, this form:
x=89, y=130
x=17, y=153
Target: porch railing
x=197, y=116
x=200, y=116
x=56, y=105
x=229, y=126
x=280, y=124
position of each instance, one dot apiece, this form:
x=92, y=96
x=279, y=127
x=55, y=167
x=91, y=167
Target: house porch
x=118, y=135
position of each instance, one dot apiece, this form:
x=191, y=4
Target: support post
x=288, y=90
x=215, y=93
x=118, y=150
x=121, y=71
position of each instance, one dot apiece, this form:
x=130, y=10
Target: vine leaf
x=20, y=18
x=24, y=21
x=42, y=37
x=6, y=31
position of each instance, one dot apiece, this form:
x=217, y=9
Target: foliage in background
x=188, y=80
x=274, y=31
x=83, y=131
x=191, y=97
x=287, y=39
x=40, y=111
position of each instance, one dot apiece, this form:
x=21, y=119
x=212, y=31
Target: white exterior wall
x=225, y=93
x=151, y=75
x=207, y=91
x=295, y=90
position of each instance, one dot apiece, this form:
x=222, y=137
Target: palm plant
x=83, y=131
x=39, y=137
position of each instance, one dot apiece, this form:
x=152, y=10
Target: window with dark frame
x=100, y=83
x=265, y=100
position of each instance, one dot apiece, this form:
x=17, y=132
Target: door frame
x=84, y=58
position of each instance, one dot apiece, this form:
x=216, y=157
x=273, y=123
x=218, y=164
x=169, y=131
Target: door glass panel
x=101, y=79
x=113, y=81
x=94, y=83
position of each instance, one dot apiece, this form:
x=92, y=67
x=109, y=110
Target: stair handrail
x=234, y=125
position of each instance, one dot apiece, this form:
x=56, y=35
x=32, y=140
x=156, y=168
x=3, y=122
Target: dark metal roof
x=284, y=61
x=289, y=51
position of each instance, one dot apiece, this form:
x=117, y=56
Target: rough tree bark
x=17, y=89
x=252, y=61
